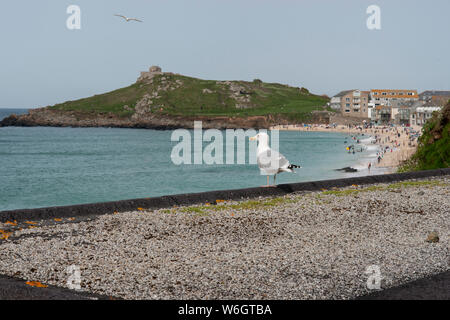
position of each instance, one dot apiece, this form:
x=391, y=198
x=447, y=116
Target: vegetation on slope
x=433, y=151
x=173, y=94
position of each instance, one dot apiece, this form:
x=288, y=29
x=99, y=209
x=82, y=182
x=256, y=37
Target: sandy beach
x=395, y=143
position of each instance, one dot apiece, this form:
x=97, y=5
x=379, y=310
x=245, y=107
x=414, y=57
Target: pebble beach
x=309, y=245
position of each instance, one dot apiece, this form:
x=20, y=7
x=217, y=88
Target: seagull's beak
x=253, y=138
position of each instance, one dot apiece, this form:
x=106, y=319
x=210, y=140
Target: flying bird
x=127, y=19
x=270, y=162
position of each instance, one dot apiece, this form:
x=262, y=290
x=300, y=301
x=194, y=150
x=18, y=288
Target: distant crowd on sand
x=397, y=143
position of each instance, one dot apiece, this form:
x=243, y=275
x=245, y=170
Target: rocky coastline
x=57, y=118
x=47, y=117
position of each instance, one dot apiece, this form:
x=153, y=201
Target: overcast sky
x=322, y=45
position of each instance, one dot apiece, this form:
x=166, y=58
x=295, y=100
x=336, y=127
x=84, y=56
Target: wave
x=373, y=148
x=369, y=140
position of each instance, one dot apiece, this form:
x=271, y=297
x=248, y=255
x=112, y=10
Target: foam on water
x=372, y=147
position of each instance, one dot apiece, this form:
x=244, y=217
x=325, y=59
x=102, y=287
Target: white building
x=422, y=114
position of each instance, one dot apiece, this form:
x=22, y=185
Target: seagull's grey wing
x=119, y=15
x=282, y=161
x=271, y=159
x=135, y=19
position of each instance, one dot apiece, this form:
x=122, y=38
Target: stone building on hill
x=147, y=75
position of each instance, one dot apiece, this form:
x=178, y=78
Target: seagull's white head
x=262, y=138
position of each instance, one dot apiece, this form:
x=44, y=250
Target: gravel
x=315, y=245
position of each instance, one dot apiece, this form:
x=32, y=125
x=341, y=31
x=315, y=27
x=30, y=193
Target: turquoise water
x=41, y=166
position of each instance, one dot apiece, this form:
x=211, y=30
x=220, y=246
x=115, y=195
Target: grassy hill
x=433, y=151
x=178, y=95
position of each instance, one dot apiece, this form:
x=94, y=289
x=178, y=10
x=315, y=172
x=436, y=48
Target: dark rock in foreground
x=347, y=169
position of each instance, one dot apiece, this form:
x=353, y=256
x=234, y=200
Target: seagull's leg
x=265, y=186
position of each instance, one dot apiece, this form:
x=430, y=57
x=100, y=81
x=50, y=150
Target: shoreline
x=88, y=210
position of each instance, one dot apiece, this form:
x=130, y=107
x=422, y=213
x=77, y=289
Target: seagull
x=270, y=162
x=127, y=19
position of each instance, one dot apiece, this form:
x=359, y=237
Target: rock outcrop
x=239, y=93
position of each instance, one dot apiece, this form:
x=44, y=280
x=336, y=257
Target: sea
x=47, y=166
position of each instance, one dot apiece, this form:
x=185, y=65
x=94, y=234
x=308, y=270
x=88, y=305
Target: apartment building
x=335, y=101
x=385, y=97
x=352, y=103
x=420, y=115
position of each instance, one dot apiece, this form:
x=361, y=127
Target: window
x=384, y=93
x=375, y=93
x=392, y=93
x=410, y=93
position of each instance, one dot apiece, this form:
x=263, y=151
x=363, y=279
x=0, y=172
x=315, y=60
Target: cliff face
x=433, y=151
x=167, y=100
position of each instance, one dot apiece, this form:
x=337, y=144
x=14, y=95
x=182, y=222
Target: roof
x=435, y=93
x=343, y=93
x=428, y=109
x=407, y=104
x=432, y=105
